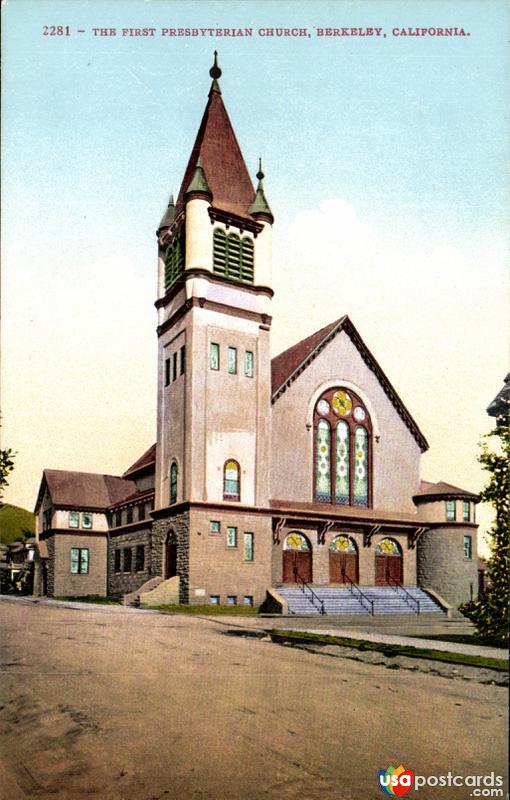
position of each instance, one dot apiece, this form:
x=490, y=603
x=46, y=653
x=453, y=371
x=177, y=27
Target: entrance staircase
x=374, y=600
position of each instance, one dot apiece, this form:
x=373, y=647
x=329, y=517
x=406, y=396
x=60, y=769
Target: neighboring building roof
x=148, y=458
x=88, y=490
x=500, y=406
x=223, y=162
x=443, y=491
x=286, y=367
x=143, y=494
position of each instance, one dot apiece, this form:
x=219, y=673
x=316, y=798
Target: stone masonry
x=176, y=527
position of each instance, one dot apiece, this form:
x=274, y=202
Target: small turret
x=198, y=186
x=168, y=216
x=260, y=208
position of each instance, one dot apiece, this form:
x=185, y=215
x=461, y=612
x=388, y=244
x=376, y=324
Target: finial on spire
x=215, y=71
x=260, y=208
x=260, y=175
x=169, y=215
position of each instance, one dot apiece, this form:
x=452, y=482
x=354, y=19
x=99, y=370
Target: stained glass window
x=173, y=482
x=232, y=360
x=342, y=544
x=86, y=520
x=214, y=526
x=450, y=510
x=231, y=481
x=79, y=560
x=296, y=541
x=75, y=560
x=231, y=537
x=248, y=546
x=342, y=466
x=468, y=547
x=323, y=463
x=74, y=519
x=214, y=356
x=387, y=547
x=360, y=467
x=248, y=364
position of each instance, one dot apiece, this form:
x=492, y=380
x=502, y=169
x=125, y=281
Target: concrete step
x=341, y=600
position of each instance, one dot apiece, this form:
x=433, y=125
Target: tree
x=6, y=466
x=489, y=612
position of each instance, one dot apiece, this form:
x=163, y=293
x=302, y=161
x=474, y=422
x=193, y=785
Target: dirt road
x=119, y=705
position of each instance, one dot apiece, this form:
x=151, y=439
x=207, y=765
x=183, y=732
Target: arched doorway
x=297, y=558
x=343, y=560
x=170, y=556
x=388, y=563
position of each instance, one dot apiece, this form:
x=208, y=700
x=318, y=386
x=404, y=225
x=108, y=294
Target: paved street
x=115, y=704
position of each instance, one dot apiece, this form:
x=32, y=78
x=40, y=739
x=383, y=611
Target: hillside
x=14, y=521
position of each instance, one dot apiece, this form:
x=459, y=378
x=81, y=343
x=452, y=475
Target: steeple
x=169, y=215
x=260, y=207
x=222, y=161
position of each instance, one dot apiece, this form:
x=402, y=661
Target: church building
x=292, y=482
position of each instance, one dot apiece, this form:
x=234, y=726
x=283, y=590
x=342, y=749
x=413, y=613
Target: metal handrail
x=407, y=595
x=314, y=596
x=353, y=586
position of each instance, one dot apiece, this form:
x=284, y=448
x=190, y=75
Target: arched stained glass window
x=387, y=547
x=323, y=462
x=231, y=481
x=360, y=466
x=233, y=257
x=342, y=449
x=342, y=463
x=173, y=482
x=296, y=541
x=343, y=544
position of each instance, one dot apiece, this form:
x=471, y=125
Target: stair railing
x=304, y=586
x=362, y=597
x=407, y=595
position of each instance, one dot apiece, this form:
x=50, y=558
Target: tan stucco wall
x=435, y=511
x=396, y=457
x=92, y=583
x=216, y=569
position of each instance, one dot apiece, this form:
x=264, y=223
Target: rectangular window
x=468, y=547
x=450, y=510
x=128, y=558
x=79, y=561
x=214, y=526
x=74, y=519
x=182, y=353
x=117, y=560
x=231, y=600
x=167, y=371
x=466, y=511
x=248, y=364
x=231, y=537
x=129, y=515
x=248, y=600
x=232, y=360
x=248, y=546
x=174, y=366
x=151, y=505
x=141, y=511
x=215, y=600
x=47, y=519
x=118, y=519
x=140, y=558
x=86, y=521
x=214, y=356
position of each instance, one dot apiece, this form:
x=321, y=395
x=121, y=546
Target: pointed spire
x=215, y=73
x=260, y=206
x=198, y=183
x=169, y=215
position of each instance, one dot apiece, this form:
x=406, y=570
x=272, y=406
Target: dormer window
x=233, y=256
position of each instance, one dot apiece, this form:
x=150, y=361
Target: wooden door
x=387, y=567
x=297, y=560
x=342, y=566
x=170, y=560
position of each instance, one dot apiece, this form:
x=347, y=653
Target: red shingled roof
x=283, y=365
x=149, y=457
x=222, y=160
x=442, y=490
x=87, y=490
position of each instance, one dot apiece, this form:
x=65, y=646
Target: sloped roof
x=287, y=366
x=442, y=490
x=148, y=458
x=88, y=490
x=223, y=162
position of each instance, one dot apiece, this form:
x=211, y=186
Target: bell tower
x=214, y=320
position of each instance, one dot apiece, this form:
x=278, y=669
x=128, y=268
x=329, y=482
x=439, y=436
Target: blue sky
x=404, y=137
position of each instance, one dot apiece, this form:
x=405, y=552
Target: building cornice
x=229, y=219
x=222, y=308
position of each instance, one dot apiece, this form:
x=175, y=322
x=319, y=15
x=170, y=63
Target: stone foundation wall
x=120, y=583
x=442, y=566
x=50, y=578
x=178, y=528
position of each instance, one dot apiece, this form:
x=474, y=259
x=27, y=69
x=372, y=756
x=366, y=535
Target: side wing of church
x=293, y=482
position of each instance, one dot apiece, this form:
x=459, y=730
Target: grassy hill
x=15, y=523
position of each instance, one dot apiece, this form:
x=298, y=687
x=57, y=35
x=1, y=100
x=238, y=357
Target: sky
x=386, y=162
